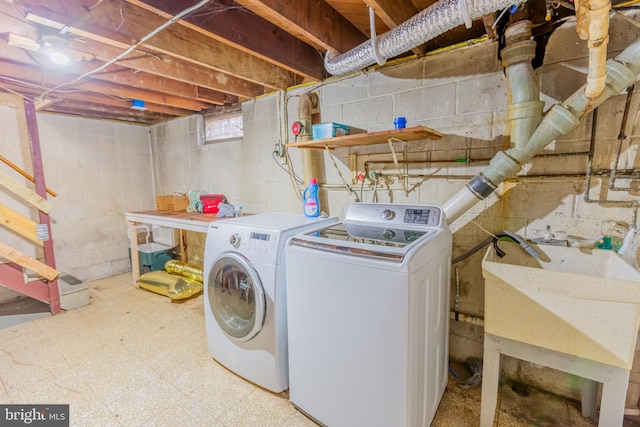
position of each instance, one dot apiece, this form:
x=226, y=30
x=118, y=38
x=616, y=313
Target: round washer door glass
x=236, y=296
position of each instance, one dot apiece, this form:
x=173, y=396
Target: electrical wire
x=335, y=165
x=130, y=49
x=288, y=171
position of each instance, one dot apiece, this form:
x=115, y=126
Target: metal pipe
x=589, y=174
x=592, y=148
x=437, y=19
x=466, y=318
x=621, y=137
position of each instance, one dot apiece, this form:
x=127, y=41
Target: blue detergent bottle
x=310, y=202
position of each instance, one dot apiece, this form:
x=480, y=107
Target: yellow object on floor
x=183, y=269
x=170, y=285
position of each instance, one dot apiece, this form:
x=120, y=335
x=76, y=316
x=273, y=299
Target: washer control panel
x=392, y=214
x=253, y=240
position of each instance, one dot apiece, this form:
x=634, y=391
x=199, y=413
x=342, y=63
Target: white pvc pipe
x=562, y=118
x=598, y=39
x=374, y=44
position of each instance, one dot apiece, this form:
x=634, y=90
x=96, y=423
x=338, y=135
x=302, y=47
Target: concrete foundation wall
x=462, y=94
x=99, y=170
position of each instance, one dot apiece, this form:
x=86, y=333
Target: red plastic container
x=210, y=202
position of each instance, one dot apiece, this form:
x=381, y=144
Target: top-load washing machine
x=368, y=315
x=245, y=294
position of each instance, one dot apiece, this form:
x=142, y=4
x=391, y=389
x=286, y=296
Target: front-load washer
x=367, y=304
x=245, y=294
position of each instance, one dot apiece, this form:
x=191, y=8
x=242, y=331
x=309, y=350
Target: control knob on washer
x=234, y=239
x=388, y=214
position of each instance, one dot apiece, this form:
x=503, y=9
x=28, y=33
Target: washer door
x=236, y=296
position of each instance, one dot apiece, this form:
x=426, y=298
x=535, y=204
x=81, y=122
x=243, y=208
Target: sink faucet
x=549, y=239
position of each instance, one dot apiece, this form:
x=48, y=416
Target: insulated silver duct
x=437, y=19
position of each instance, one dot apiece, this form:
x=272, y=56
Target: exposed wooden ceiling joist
x=208, y=61
x=229, y=23
x=121, y=24
x=311, y=20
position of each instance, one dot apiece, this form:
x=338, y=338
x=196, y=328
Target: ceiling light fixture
x=56, y=47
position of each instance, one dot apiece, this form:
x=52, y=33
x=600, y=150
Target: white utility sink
x=581, y=302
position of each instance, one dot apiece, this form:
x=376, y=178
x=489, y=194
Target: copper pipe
x=26, y=175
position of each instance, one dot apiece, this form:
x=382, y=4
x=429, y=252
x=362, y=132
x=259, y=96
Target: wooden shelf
x=369, y=138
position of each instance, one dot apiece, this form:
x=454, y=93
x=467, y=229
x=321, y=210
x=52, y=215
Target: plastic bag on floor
x=170, y=285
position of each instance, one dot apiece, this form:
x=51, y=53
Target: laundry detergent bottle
x=310, y=202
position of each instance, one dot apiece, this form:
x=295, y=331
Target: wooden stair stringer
x=12, y=277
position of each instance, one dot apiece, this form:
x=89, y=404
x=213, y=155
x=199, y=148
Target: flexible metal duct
x=437, y=19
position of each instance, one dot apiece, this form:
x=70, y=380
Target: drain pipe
x=561, y=119
x=312, y=159
x=437, y=19
x=598, y=17
x=308, y=101
x=525, y=108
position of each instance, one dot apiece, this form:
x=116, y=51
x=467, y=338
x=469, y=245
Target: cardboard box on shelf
x=172, y=203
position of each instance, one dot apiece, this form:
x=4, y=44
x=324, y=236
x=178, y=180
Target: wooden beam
x=28, y=262
x=159, y=65
x=311, y=20
x=11, y=100
x=227, y=22
x=489, y=20
x=173, y=68
x=19, y=224
x=34, y=76
x=120, y=109
x=121, y=24
x=24, y=193
x=131, y=116
x=113, y=74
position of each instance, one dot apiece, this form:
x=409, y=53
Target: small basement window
x=223, y=127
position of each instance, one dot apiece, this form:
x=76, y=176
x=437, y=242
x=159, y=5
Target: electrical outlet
x=279, y=149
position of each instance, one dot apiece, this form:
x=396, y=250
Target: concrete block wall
x=99, y=170
x=462, y=94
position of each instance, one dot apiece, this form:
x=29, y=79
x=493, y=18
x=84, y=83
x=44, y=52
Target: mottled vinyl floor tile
x=133, y=358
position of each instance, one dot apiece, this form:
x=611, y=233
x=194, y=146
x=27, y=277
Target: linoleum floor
x=135, y=358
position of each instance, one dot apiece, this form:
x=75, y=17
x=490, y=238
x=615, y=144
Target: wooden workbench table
x=181, y=220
